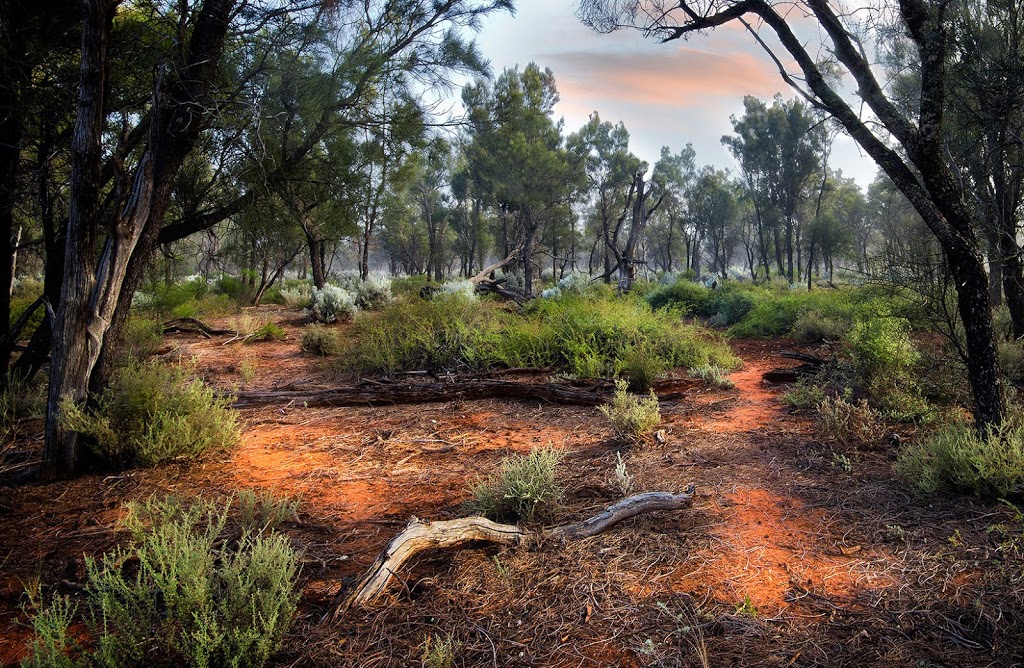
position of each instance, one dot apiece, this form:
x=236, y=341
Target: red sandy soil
x=779, y=548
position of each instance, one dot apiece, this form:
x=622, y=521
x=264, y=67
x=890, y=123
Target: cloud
x=681, y=78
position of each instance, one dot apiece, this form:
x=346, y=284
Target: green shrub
x=18, y=307
x=730, y=305
x=684, y=296
x=956, y=457
x=713, y=375
x=440, y=651
x=141, y=338
x=813, y=327
x=320, y=340
x=633, y=420
x=807, y=394
x=642, y=366
x=297, y=296
x=1011, y=360
x=523, y=487
x=185, y=591
x=586, y=337
x=151, y=414
x=884, y=358
x=263, y=511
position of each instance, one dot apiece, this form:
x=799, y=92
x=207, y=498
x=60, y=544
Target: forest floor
x=797, y=552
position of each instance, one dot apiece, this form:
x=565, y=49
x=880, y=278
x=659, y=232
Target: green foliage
x=141, y=338
x=642, y=366
x=581, y=336
x=813, y=327
x=297, y=296
x=633, y=420
x=684, y=296
x=264, y=511
x=713, y=375
x=523, y=487
x=18, y=307
x=19, y=400
x=807, y=394
x=884, y=358
x=153, y=413
x=440, y=651
x=321, y=340
x=172, y=300
x=957, y=457
x=1011, y=361
x=51, y=639
x=187, y=590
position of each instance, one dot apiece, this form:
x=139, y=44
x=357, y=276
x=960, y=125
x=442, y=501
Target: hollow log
x=420, y=536
x=375, y=393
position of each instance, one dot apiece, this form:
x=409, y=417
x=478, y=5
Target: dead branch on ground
x=420, y=536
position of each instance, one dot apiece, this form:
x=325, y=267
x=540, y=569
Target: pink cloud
x=682, y=77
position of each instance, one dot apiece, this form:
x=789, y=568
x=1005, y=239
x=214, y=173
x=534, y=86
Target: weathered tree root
x=420, y=536
x=194, y=326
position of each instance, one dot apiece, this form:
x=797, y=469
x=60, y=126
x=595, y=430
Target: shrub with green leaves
x=814, y=327
x=633, y=419
x=642, y=365
x=713, y=375
x=523, y=488
x=320, y=340
x=152, y=413
x=188, y=590
x=884, y=358
x=332, y=304
x=297, y=296
x=683, y=296
x=956, y=457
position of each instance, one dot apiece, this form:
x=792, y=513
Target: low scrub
x=956, y=457
x=582, y=337
x=331, y=304
x=151, y=414
x=885, y=359
x=523, y=488
x=851, y=423
x=633, y=419
x=190, y=589
x=713, y=375
x=320, y=340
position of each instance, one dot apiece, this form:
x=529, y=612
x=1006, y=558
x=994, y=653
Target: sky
x=666, y=94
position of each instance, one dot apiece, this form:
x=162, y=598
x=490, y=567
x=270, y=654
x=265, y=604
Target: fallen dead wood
x=420, y=536
x=482, y=276
x=493, y=286
x=194, y=326
x=811, y=365
x=370, y=393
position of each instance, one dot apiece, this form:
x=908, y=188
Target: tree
x=712, y=207
x=118, y=205
x=518, y=154
x=908, y=145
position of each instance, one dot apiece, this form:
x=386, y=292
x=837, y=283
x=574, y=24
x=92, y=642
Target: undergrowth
x=152, y=413
x=582, y=337
x=523, y=488
x=190, y=588
x=633, y=419
x=955, y=457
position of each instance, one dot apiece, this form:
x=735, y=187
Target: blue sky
x=666, y=94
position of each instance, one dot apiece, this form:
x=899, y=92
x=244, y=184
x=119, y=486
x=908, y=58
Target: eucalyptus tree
x=518, y=154
x=610, y=169
x=909, y=145
x=673, y=175
x=121, y=182
x=711, y=203
x=779, y=149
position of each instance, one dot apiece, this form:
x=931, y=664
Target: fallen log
x=811, y=365
x=803, y=357
x=368, y=393
x=420, y=536
x=482, y=276
x=194, y=326
x=493, y=286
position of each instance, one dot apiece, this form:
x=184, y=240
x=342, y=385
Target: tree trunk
x=77, y=342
